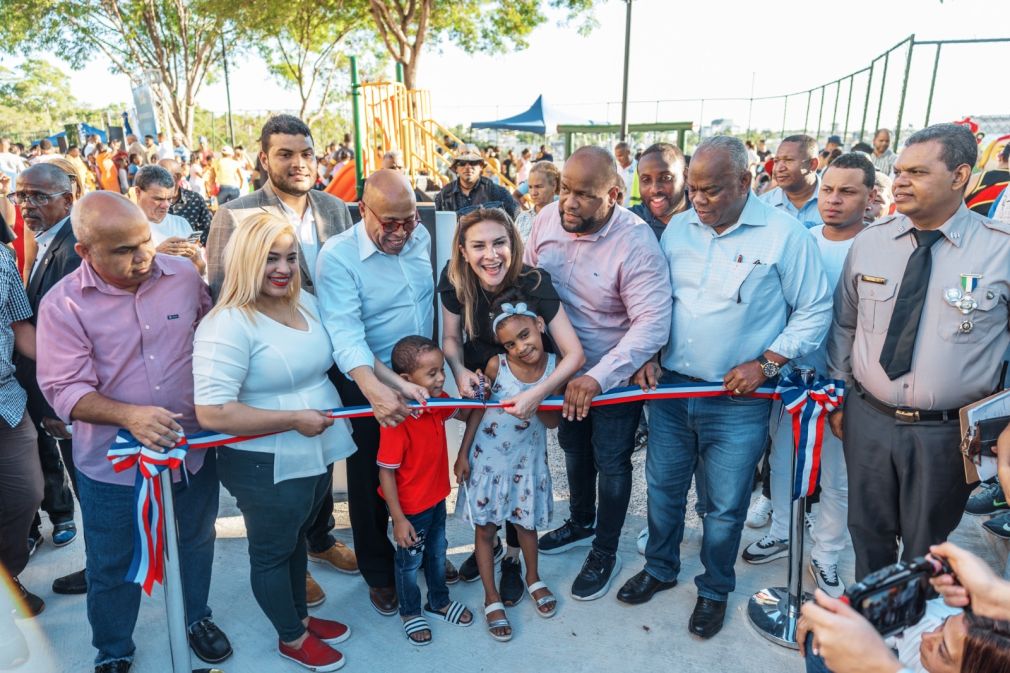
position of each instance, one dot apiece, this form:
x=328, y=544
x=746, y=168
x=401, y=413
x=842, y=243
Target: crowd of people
x=145, y=309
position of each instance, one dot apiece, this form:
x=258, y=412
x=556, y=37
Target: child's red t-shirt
x=417, y=450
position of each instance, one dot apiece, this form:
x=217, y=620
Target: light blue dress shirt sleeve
x=338, y=289
x=805, y=289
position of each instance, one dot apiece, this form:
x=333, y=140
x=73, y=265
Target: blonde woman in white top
x=259, y=363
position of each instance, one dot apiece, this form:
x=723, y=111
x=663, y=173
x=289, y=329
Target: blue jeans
x=598, y=449
x=728, y=434
x=227, y=194
x=431, y=524
x=108, y=512
x=815, y=663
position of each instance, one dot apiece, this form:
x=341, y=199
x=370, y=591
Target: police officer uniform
x=901, y=429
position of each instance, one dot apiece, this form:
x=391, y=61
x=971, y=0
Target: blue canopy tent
x=540, y=118
x=84, y=130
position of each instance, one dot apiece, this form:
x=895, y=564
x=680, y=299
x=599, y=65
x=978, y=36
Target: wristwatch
x=768, y=368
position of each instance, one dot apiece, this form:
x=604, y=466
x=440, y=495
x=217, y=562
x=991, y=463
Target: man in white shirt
x=155, y=191
x=627, y=166
x=375, y=286
x=11, y=164
x=847, y=188
x=165, y=149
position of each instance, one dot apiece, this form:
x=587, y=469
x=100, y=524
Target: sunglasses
x=389, y=226
x=466, y=210
x=470, y=163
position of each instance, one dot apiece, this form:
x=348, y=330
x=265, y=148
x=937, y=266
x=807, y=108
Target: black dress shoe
x=74, y=583
x=118, y=666
x=707, y=618
x=26, y=604
x=641, y=588
x=209, y=642
x=510, y=586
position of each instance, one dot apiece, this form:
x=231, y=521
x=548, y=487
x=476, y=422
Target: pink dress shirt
x=130, y=347
x=615, y=286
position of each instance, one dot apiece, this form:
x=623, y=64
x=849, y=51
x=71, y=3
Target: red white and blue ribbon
x=148, y=564
x=809, y=407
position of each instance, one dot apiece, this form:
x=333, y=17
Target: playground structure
x=388, y=116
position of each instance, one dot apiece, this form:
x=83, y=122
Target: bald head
x=100, y=215
x=595, y=161
x=389, y=210
x=172, y=166
x=388, y=188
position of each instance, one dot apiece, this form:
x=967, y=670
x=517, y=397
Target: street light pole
x=227, y=90
x=627, y=57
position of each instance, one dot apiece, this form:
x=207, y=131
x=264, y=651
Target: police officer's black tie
x=896, y=355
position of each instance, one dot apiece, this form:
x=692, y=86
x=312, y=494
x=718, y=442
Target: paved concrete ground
x=603, y=635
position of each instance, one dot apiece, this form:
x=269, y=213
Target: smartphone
x=894, y=598
x=195, y=237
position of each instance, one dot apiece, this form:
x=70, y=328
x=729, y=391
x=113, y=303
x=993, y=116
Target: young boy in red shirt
x=414, y=480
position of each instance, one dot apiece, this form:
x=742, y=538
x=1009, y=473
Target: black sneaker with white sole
x=568, y=536
x=597, y=573
x=468, y=571
x=999, y=525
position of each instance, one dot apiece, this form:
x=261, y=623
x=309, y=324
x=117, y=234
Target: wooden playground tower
x=388, y=116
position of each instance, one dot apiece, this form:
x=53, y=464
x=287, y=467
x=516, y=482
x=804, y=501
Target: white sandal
x=453, y=614
x=415, y=624
x=497, y=623
x=543, y=600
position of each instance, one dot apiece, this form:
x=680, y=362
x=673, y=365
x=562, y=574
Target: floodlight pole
x=627, y=58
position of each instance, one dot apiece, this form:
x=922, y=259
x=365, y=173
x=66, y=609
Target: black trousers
x=56, y=458
x=369, y=515
x=906, y=483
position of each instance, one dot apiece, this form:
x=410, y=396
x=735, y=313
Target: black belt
x=693, y=379
x=906, y=415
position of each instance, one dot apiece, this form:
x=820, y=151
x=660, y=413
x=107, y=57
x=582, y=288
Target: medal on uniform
x=962, y=298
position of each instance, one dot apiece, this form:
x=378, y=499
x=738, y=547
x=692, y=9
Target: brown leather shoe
x=314, y=594
x=339, y=557
x=384, y=600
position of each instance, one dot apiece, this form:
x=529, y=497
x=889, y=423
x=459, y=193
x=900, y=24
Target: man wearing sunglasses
x=470, y=190
x=45, y=196
x=375, y=286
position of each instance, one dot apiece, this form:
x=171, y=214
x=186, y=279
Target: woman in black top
x=486, y=261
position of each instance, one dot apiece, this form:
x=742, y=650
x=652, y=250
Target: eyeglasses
x=389, y=226
x=466, y=210
x=37, y=199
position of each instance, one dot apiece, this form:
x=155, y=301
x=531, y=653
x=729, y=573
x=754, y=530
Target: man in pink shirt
x=615, y=284
x=121, y=327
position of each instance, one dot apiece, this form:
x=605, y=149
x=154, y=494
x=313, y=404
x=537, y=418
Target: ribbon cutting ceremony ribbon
x=148, y=564
x=809, y=406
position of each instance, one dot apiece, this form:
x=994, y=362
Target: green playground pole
x=904, y=88
x=359, y=133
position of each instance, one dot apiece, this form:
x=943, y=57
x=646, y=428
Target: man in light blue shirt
x=749, y=295
x=795, y=174
x=375, y=286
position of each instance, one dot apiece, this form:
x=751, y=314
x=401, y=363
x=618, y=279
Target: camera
x=894, y=598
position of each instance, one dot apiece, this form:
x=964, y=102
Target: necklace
x=490, y=313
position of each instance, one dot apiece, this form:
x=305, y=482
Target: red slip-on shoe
x=329, y=631
x=314, y=655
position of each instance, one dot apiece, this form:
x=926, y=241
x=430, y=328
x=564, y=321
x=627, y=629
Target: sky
x=688, y=50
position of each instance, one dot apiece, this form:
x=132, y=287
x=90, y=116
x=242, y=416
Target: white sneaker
x=766, y=549
x=643, y=540
x=826, y=576
x=760, y=512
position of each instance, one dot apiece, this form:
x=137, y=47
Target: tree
x=405, y=26
x=300, y=40
x=176, y=41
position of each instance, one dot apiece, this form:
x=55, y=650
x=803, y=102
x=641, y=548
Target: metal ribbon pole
x=175, y=607
x=775, y=611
